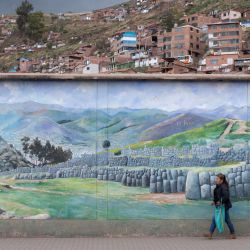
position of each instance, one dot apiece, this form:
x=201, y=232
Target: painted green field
x=210, y=131
x=91, y=199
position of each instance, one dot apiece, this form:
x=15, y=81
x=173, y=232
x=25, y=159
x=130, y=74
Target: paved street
x=125, y=244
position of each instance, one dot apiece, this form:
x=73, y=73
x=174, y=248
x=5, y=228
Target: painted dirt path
x=228, y=129
x=243, y=128
x=178, y=198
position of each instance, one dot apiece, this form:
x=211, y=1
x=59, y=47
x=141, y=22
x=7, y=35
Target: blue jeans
x=227, y=220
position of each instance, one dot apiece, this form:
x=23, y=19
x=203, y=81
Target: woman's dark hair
x=223, y=178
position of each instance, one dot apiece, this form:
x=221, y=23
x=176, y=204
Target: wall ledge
x=131, y=77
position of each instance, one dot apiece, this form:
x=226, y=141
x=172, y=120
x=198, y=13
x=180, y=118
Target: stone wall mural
x=122, y=149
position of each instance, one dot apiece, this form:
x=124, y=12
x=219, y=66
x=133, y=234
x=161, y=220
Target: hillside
x=209, y=132
x=10, y=158
x=84, y=129
x=174, y=125
x=207, y=6
x=74, y=31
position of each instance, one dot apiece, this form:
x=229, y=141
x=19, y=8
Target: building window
x=167, y=47
x=214, y=61
x=230, y=49
x=179, y=45
x=179, y=37
x=229, y=26
x=197, y=46
x=167, y=39
x=178, y=29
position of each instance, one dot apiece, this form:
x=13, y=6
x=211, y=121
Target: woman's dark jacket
x=221, y=194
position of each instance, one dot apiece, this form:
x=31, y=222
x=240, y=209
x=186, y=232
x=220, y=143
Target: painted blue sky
x=165, y=96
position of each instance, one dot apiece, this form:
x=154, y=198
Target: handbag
x=219, y=215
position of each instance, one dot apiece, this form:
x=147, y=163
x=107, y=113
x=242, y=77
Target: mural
x=121, y=150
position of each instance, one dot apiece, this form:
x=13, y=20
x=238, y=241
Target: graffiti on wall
x=121, y=150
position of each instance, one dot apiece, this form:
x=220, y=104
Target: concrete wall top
x=130, y=77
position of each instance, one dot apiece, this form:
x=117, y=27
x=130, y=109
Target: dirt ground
x=161, y=198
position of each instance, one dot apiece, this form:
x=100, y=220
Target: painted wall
x=140, y=149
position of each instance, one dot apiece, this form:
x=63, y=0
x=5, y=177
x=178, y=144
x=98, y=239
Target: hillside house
x=174, y=66
x=147, y=62
x=230, y=15
x=25, y=65
x=87, y=16
x=120, y=62
x=93, y=65
x=242, y=64
x=215, y=62
x=224, y=38
x=245, y=14
x=198, y=20
x=124, y=42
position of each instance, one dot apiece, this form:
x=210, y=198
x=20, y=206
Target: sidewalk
x=174, y=243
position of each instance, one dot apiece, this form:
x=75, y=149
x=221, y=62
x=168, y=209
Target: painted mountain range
x=83, y=129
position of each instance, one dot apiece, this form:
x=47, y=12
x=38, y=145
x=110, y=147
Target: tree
x=23, y=12
x=25, y=143
x=45, y=154
x=35, y=150
x=171, y=18
x=168, y=21
x=35, y=26
x=106, y=144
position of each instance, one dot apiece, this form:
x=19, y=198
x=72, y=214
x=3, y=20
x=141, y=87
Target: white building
x=230, y=15
x=147, y=62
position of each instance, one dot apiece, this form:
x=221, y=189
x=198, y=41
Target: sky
x=58, y=6
x=169, y=96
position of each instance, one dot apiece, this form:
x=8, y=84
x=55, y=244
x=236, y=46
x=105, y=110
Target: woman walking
x=222, y=197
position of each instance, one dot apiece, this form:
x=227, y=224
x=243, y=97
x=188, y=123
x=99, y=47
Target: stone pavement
x=171, y=243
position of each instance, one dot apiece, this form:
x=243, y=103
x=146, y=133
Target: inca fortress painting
x=121, y=149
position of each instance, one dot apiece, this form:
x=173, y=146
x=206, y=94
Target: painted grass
x=235, y=127
x=210, y=131
x=91, y=199
x=245, y=137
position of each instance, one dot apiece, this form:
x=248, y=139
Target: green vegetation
x=235, y=127
x=91, y=199
x=35, y=26
x=211, y=5
x=23, y=12
x=170, y=18
x=227, y=145
x=245, y=137
x=28, y=23
x=210, y=131
x=44, y=154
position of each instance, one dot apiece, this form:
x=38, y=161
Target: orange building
x=198, y=20
x=225, y=38
x=181, y=41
